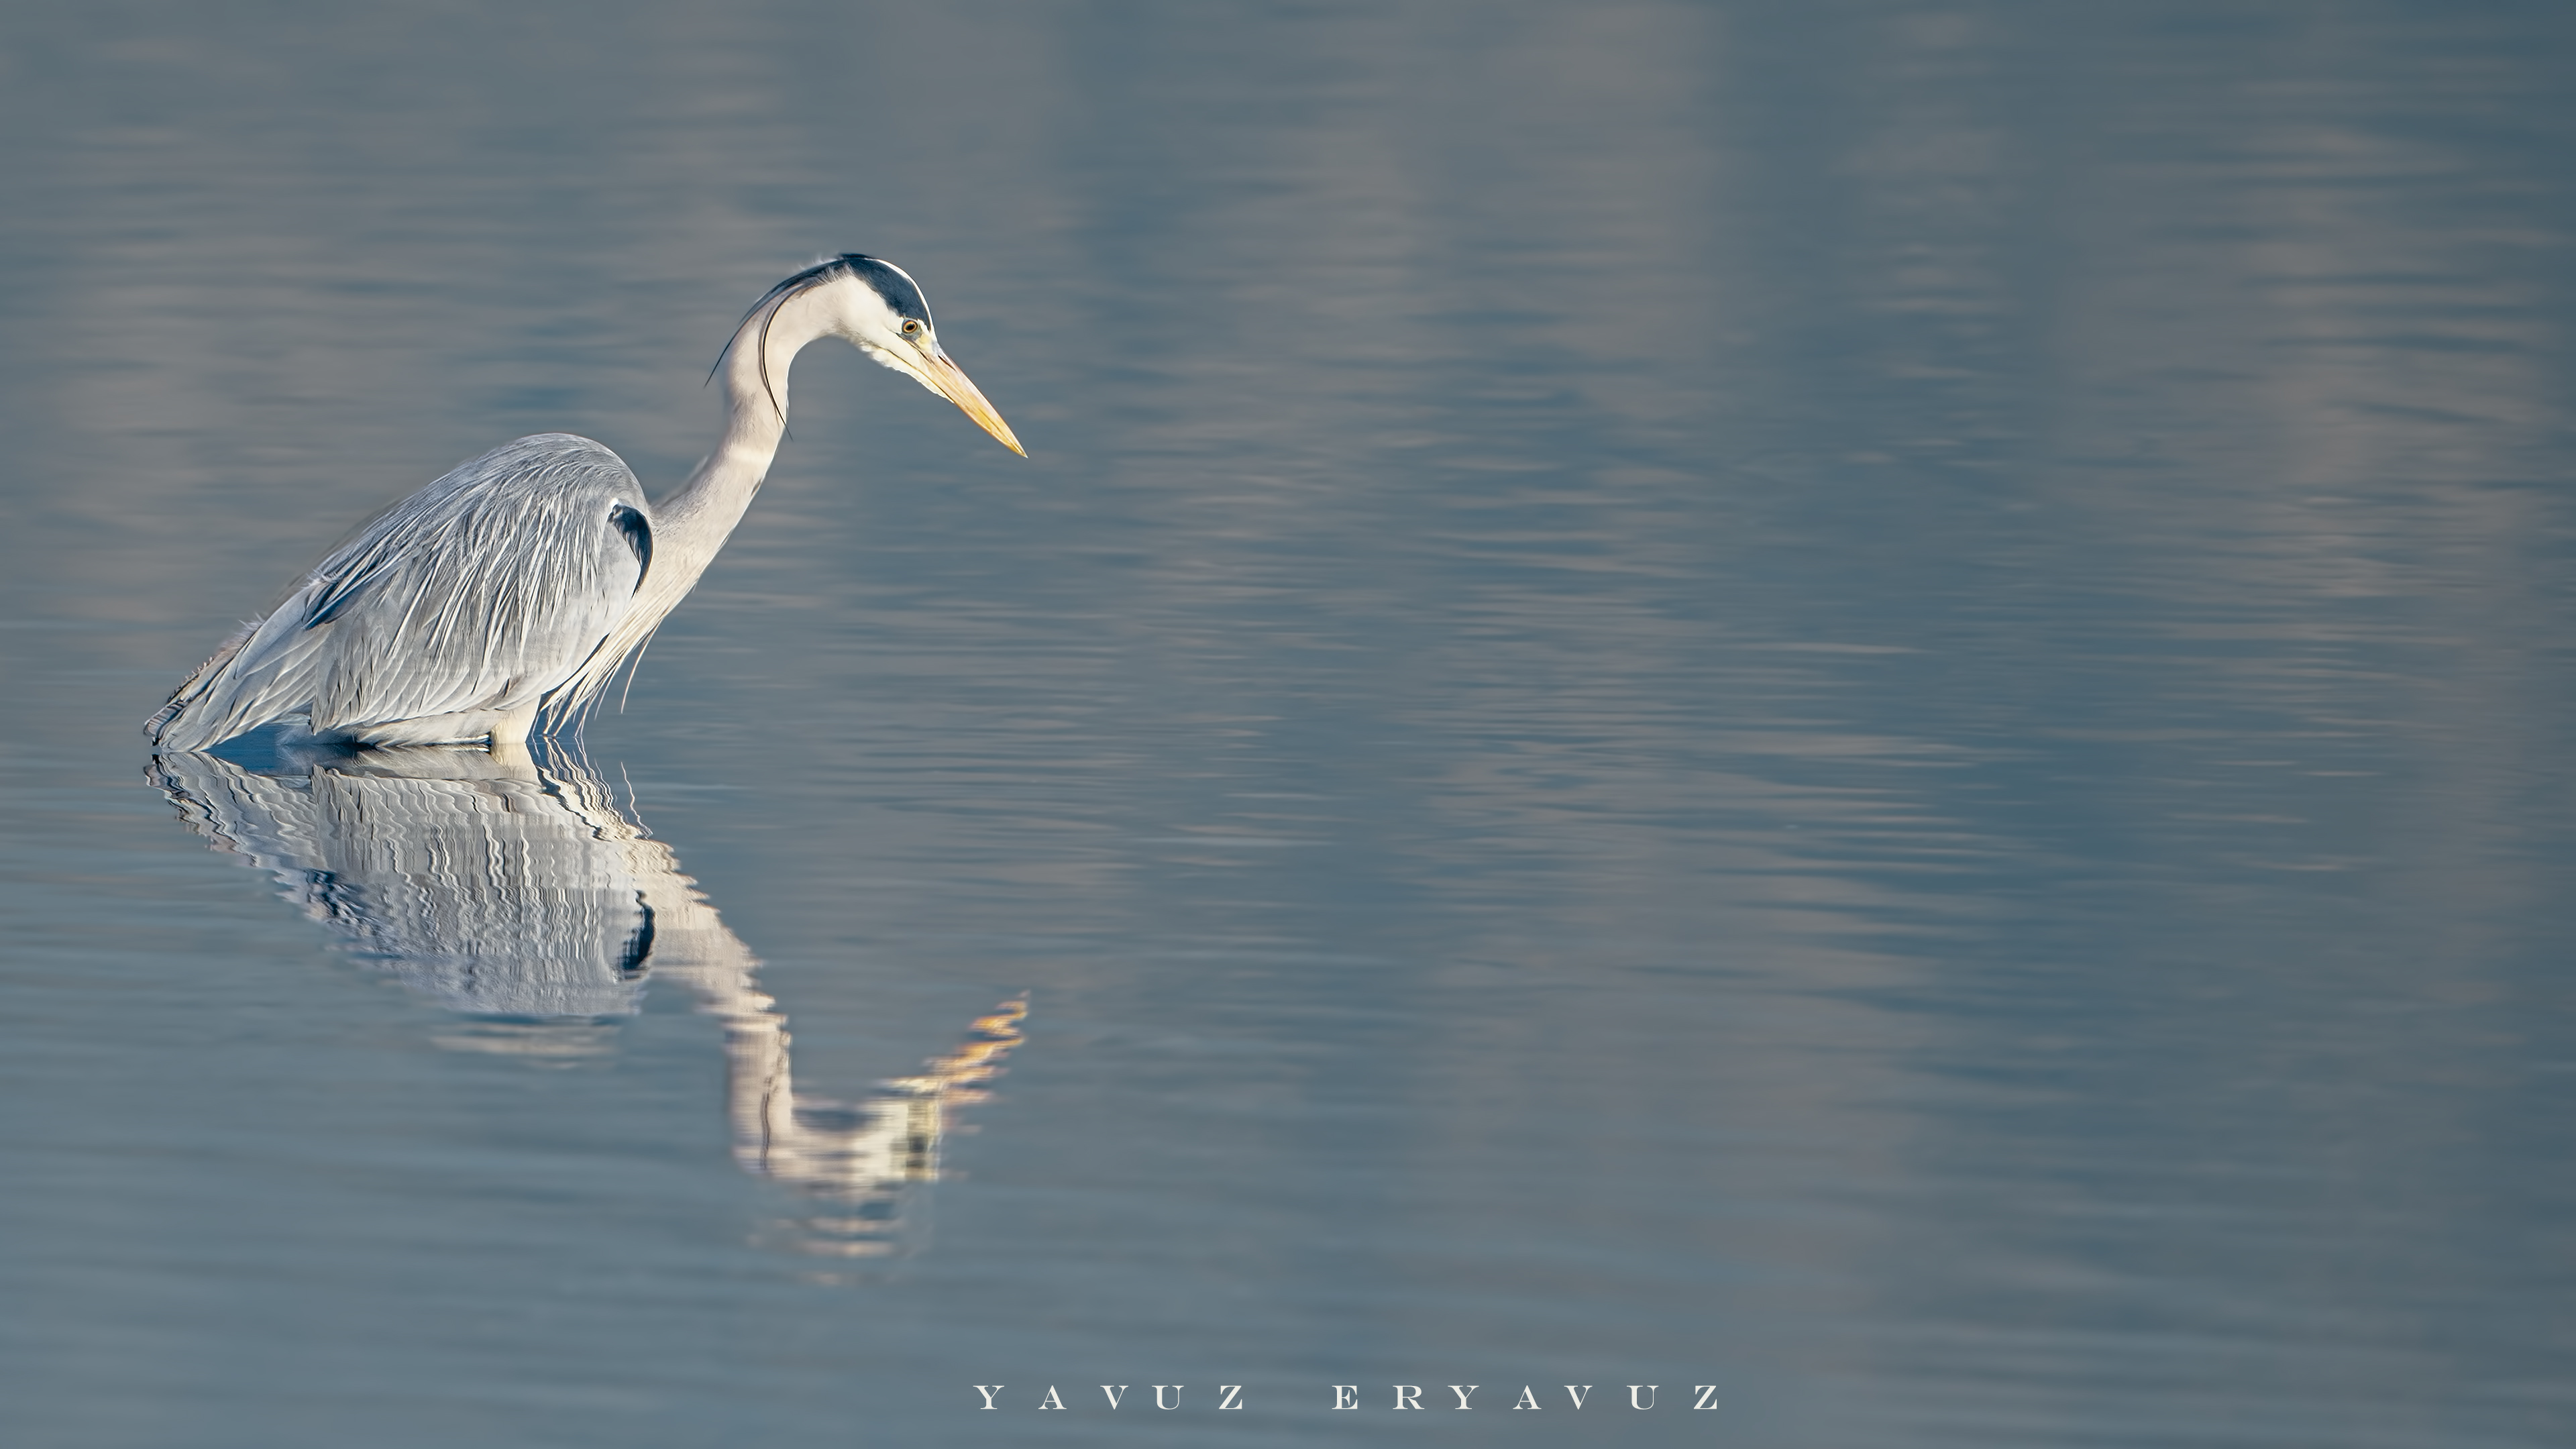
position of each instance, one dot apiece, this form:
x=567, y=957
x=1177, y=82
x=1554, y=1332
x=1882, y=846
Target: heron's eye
x=911, y=327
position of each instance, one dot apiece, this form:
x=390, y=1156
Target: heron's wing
x=481, y=592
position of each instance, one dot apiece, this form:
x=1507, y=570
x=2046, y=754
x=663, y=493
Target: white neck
x=694, y=520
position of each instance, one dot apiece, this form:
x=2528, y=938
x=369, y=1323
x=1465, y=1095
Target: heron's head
x=881, y=311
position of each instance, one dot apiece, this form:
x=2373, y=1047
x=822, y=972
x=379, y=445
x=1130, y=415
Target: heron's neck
x=695, y=519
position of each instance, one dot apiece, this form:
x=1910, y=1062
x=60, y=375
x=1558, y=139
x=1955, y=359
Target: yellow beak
x=947, y=379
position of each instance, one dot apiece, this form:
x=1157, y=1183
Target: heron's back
x=474, y=597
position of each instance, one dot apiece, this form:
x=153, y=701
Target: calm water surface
x=1869, y=703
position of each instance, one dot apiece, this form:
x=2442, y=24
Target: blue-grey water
x=1869, y=703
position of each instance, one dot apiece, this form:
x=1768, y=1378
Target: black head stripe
x=891, y=284
x=888, y=279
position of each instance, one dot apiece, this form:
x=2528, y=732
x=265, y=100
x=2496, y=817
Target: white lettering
x=1176, y=1395
x=1346, y=1396
x=1528, y=1400
x=1463, y=1393
x=1707, y=1396
x=1406, y=1394
x=1113, y=1392
x=1233, y=1396
x=1577, y=1395
x=1050, y=1401
x=988, y=1391
x=1632, y=1396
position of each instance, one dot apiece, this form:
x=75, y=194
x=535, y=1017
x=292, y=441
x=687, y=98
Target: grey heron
x=503, y=597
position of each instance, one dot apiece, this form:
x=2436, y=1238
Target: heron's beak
x=944, y=377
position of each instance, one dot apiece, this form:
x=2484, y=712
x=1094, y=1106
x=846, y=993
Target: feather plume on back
x=487, y=594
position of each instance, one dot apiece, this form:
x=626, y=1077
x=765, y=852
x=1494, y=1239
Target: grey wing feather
x=483, y=592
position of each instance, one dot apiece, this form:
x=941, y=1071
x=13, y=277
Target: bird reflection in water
x=507, y=887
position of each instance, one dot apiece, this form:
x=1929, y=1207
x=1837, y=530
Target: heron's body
x=503, y=597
